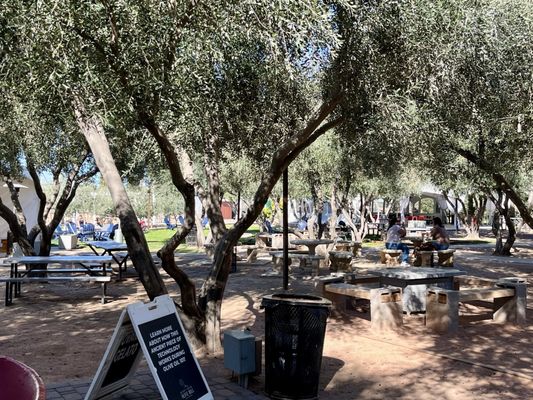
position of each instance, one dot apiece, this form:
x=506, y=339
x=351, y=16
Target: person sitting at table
x=439, y=237
x=395, y=233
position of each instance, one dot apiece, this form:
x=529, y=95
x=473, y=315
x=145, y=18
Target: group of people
x=439, y=238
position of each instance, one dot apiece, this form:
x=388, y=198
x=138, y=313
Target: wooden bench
x=508, y=297
x=445, y=258
x=11, y=283
x=390, y=256
x=386, y=311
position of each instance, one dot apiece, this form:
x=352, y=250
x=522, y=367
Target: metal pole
x=238, y=205
x=286, y=229
x=456, y=215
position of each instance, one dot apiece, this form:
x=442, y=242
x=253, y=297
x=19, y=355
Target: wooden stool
x=423, y=259
x=445, y=258
x=390, y=256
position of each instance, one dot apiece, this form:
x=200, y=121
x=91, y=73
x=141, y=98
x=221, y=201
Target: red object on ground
x=19, y=382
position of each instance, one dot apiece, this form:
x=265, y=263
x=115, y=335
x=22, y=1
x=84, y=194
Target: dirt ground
x=62, y=332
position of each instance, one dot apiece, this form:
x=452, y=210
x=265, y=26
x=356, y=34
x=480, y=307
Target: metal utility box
x=239, y=352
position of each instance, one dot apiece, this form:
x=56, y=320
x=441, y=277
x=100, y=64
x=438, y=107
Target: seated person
x=267, y=226
x=439, y=237
x=395, y=234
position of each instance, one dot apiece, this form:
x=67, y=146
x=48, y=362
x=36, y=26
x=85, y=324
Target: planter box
x=68, y=242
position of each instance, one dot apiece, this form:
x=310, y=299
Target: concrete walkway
x=143, y=387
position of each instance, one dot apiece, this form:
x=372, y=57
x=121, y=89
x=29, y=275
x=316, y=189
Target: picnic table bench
x=93, y=267
x=97, y=271
x=13, y=283
x=386, y=311
x=508, y=296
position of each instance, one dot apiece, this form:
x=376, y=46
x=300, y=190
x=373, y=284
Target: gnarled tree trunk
x=93, y=130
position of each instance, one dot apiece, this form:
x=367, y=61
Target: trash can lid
x=295, y=299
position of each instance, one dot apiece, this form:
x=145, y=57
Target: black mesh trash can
x=295, y=325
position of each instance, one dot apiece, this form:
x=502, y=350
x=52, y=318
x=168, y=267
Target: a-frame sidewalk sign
x=155, y=330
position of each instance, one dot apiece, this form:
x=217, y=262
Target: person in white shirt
x=394, y=237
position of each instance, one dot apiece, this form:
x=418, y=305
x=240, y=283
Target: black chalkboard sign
x=119, y=362
x=154, y=328
x=124, y=357
x=172, y=358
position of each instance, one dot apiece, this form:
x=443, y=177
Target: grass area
x=372, y=243
x=156, y=238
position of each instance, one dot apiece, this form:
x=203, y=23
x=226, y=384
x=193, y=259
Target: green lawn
x=156, y=238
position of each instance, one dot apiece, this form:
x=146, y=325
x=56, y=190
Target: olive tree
x=474, y=79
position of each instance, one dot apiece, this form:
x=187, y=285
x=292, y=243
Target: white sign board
x=154, y=328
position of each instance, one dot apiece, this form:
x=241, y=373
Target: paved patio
x=143, y=387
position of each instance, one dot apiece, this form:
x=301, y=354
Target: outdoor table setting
x=311, y=244
x=415, y=240
x=86, y=262
x=110, y=247
x=353, y=247
x=93, y=268
x=415, y=281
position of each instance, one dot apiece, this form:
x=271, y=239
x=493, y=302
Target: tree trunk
x=502, y=206
x=497, y=232
x=511, y=235
x=93, y=130
x=19, y=232
x=501, y=183
x=212, y=291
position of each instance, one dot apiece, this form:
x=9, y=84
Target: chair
x=65, y=229
x=71, y=228
x=168, y=224
x=267, y=226
x=87, y=230
x=18, y=381
x=105, y=233
x=58, y=232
